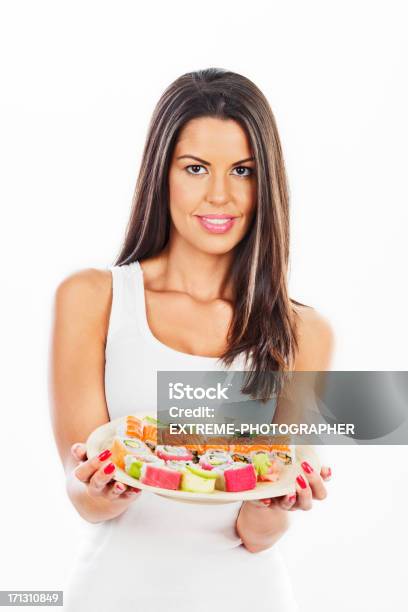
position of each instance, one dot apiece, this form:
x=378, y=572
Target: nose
x=218, y=193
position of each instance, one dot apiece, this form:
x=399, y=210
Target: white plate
x=102, y=437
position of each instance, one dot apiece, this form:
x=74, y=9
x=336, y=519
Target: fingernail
x=134, y=490
x=109, y=468
x=120, y=486
x=266, y=501
x=329, y=472
x=301, y=481
x=292, y=499
x=307, y=467
x=104, y=455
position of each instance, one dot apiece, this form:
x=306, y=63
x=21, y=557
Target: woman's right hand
x=96, y=474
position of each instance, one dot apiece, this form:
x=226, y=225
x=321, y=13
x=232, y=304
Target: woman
x=200, y=284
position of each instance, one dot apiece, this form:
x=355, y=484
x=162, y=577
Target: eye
x=243, y=171
x=194, y=168
x=244, y=168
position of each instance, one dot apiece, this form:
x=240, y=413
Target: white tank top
x=162, y=554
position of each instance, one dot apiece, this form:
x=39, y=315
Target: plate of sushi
x=201, y=473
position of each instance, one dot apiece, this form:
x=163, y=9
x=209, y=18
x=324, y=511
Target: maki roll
x=173, y=453
x=133, y=465
x=286, y=453
x=240, y=477
x=217, y=461
x=130, y=427
x=242, y=452
x=144, y=429
x=267, y=468
x=160, y=476
x=214, y=459
x=180, y=466
x=127, y=446
x=150, y=431
x=196, y=480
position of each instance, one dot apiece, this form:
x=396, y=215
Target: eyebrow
x=241, y=161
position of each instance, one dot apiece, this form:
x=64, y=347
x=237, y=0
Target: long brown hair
x=263, y=326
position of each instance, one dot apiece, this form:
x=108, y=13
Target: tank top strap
x=127, y=298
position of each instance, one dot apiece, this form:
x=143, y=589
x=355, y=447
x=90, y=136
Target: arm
x=76, y=390
x=260, y=525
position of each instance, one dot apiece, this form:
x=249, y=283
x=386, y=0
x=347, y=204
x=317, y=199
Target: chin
x=212, y=248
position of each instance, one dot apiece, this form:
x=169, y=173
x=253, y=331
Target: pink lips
x=220, y=228
x=217, y=216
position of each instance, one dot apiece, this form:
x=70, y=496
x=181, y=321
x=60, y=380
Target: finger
x=314, y=481
x=303, y=494
x=78, y=450
x=262, y=503
x=132, y=493
x=287, y=501
x=114, y=490
x=118, y=490
x=100, y=479
x=325, y=473
x=85, y=471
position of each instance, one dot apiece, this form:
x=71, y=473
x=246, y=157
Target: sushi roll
x=217, y=461
x=217, y=444
x=173, y=453
x=240, y=477
x=180, y=466
x=127, y=446
x=144, y=429
x=199, y=448
x=130, y=427
x=196, y=449
x=160, y=476
x=149, y=435
x=215, y=458
x=133, y=465
x=267, y=468
x=286, y=453
x=196, y=480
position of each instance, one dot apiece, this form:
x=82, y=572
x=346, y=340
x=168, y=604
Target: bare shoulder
x=316, y=340
x=86, y=295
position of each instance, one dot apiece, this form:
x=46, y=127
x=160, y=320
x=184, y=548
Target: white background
x=79, y=81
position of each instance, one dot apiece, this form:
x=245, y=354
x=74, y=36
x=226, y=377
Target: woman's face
x=212, y=184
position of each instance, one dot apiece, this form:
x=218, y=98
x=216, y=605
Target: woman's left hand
x=309, y=486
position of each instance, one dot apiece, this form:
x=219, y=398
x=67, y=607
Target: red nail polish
x=104, y=455
x=134, y=490
x=329, y=472
x=292, y=499
x=109, y=468
x=301, y=481
x=265, y=501
x=307, y=467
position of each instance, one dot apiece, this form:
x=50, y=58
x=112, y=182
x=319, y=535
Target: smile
x=216, y=224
